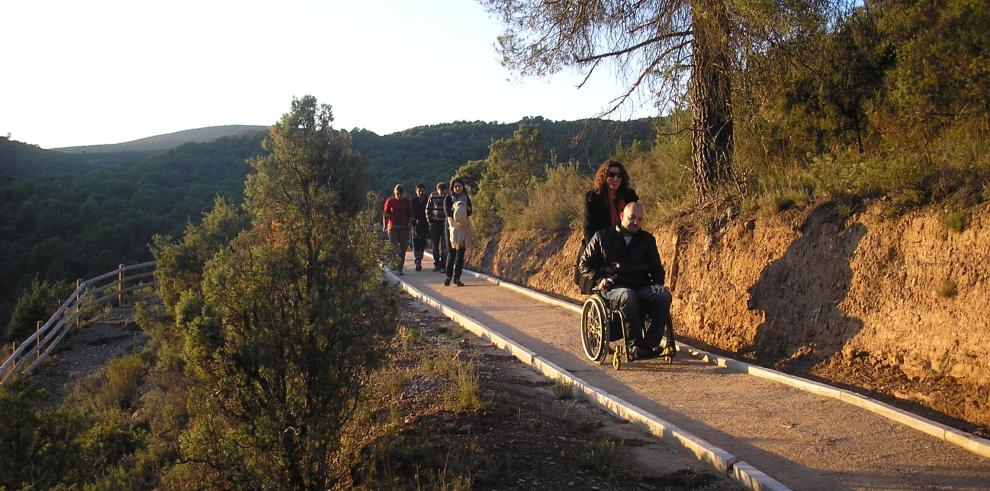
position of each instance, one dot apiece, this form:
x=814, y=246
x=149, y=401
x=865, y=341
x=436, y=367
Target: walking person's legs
x=399, y=238
x=459, y=266
x=449, y=269
x=436, y=236
x=446, y=244
x=419, y=244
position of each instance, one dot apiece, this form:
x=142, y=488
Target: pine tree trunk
x=711, y=99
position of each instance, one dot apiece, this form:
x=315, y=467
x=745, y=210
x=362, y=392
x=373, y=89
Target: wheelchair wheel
x=594, y=329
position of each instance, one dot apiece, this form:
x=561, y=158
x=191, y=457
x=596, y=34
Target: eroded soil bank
x=892, y=307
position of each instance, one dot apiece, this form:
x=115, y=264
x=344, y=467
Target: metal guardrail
x=35, y=348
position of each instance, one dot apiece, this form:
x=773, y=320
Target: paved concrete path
x=802, y=440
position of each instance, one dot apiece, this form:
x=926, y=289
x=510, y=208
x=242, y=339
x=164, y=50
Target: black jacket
x=596, y=214
x=630, y=266
x=448, y=204
x=419, y=214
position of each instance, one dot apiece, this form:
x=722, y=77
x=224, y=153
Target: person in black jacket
x=437, y=218
x=603, y=205
x=624, y=264
x=420, y=226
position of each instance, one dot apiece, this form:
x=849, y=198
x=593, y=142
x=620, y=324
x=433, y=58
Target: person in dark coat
x=420, y=226
x=624, y=265
x=437, y=217
x=603, y=205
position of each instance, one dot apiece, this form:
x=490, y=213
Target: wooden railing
x=89, y=294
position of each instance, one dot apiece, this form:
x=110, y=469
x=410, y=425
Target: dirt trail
x=804, y=441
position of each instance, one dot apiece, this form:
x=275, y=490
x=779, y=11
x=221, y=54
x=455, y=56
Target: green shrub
x=554, y=203
x=563, y=389
x=37, y=303
x=601, y=455
x=34, y=437
x=468, y=391
x=662, y=176
x=116, y=387
x=954, y=220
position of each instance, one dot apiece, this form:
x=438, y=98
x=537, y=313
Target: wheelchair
x=603, y=332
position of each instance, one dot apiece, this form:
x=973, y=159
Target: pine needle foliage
x=285, y=325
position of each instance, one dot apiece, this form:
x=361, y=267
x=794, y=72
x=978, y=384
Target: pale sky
x=107, y=71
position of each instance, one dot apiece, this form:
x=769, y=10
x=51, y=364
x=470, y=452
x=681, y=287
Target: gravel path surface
x=803, y=440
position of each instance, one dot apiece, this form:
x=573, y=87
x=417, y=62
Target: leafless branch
x=639, y=80
x=635, y=47
x=590, y=71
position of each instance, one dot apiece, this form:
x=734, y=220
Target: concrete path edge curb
x=979, y=446
x=715, y=457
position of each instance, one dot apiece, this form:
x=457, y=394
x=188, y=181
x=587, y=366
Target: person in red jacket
x=396, y=218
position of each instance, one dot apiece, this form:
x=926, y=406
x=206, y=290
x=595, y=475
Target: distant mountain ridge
x=168, y=141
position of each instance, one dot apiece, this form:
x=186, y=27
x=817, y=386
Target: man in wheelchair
x=624, y=265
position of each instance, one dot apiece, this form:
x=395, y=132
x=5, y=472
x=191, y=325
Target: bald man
x=624, y=264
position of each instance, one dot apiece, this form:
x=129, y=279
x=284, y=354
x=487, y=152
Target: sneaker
x=458, y=282
x=446, y=282
x=419, y=267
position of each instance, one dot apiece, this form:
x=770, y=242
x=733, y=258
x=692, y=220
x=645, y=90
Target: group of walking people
x=618, y=259
x=442, y=217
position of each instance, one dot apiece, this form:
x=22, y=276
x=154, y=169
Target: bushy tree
x=502, y=189
x=657, y=46
x=289, y=318
x=38, y=303
x=180, y=264
x=38, y=444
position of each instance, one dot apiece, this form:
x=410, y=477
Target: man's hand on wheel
x=605, y=284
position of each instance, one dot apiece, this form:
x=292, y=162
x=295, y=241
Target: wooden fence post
x=78, y=302
x=37, y=341
x=120, y=286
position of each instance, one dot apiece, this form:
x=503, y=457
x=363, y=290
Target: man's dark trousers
x=627, y=300
x=441, y=244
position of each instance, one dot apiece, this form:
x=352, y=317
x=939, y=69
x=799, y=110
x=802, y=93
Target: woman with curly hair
x=603, y=205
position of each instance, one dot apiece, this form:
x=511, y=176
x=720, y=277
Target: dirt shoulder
x=525, y=435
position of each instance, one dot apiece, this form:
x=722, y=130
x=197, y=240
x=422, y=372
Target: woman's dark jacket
x=632, y=265
x=448, y=203
x=596, y=214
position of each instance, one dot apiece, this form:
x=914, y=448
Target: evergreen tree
x=290, y=315
x=658, y=45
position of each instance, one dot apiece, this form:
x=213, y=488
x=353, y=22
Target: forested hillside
x=64, y=217
x=67, y=216
x=429, y=154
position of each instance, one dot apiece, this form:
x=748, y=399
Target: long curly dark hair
x=601, y=176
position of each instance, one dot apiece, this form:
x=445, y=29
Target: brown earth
x=865, y=301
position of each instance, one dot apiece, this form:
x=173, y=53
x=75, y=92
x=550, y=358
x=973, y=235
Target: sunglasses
x=614, y=174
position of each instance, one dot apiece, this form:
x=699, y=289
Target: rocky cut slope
x=892, y=307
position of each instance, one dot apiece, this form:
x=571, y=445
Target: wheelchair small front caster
x=616, y=361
